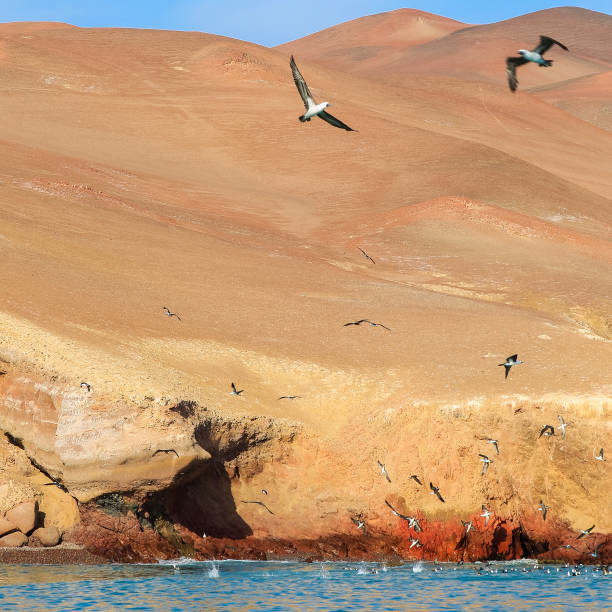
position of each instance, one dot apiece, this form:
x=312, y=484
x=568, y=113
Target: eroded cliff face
x=244, y=486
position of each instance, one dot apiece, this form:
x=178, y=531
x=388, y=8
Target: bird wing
x=485, y=467
x=544, y=510
x=561, y=420
x=415, y=477
x=511, y=64
x=546, y=43
x=300, y=83
x=406, y=518
x=234, y=387
x=512, y=358
x=496, y=447
x=383, y=326
x=507, y=368
x=484, y=456
x=335, y=122
x=486, y=520
x=179, y=318
x=387, y=475
x=347, y=324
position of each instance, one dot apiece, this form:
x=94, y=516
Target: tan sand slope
x=144, y=169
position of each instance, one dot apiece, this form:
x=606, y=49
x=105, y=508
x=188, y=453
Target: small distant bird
x=600, y=457
x=264, y=491
x=547, y=430
x=414, y=542
x=85, y=385
x=235, y=391
x=416, y=478
x=468, y=526
x=493, y=442
x=486, y=514
x=290, y=397
x=259, y=503
x=543, y=508
x=312, y=108
x=165, y=450
x=530, y=56
x=510, y=361
x=360, y=524
x=436, y=491
x=58, y=484
x=585, y=532
x=367, y=321
x=383, y=470
x=562, y=426
x=413, y=522
x=171, y=314
x=366, y=255
x=568, y=546
x=595, y=552
x=486, y=461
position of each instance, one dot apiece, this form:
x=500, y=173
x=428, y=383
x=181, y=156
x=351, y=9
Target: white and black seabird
x=599, y=457
x=360, y=524
x=543, y=508
x=414, y=542
x=169, y=313
x=485, y=460
x=366, y=255
x=383, y=470
x=510, y=361
x=486, y=514
x=85, y=385
x=166, y=451
x=585, y=532
x=413, y=521
x=260, y=503
x=416, y=479
x=468, y=526
x=312, y=108
x=493, y=442
x=368, y=322
x=530, y=56
x=290, y=397
x=436, y=491
x=595, y=552
x=562, y=426
x=547, y=430
x=235, y=391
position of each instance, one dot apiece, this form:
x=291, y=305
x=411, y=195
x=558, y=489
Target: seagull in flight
x=562, y=426
x=312, y=108
x=413, y=521
x=367, y=321
x=485, y=460
x=595, y=552
x=85, y=385
x=257, y=502
x=235, y=391
x=543, y=508
x=414, y=542
x=530, y=56
x=547, y=430
x=486, y=514
x=383, y=470
x=360, y=524
x=416, y=479
x=510, y=361
x=366, y=255
x=165, y=450
x=169, y=313
x=599, y=457
x=585, y=532
x=436, y=491
x=290, y=397
x=493, y=442
x=567, y=546
x=468, y=526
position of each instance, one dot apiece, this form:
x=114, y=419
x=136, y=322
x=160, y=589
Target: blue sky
x=267, y=22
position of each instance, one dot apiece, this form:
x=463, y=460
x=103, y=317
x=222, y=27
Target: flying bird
x=585, y=532
x=169, y=313
x=264, y=491
x=413, y=522
x=383, y=470
x=85, y=385
x=312, y=108
x=468, y=526
x=259, y=503
x=485, y=460
x=235, y=391
x=290, y=397
x=367, y=321
x=562, y=426
x=510, y=361
x=360, y=524
x=493, y=442
x=414, y=542
x=56, y=483
x=543, y=508
x=366, y=255
x=595, y=552
x=165, y=450
x=416, y=479
x=436, y=491
x=599, y=457
x=486, y=514
x=547, y=430
x=567, y=546
x=530, y=56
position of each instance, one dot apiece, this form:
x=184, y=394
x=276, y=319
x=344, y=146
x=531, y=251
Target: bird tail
x=303, y=118
x=547, y=63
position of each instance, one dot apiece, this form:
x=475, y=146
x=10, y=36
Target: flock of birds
x=314, y=109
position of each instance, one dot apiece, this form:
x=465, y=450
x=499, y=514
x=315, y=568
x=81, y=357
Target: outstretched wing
x=511, y=64
x=300, y=83
x=546, y=43
x=335, y=122
x=416, y=478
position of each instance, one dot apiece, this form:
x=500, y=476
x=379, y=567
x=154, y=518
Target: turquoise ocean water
x=254, y=585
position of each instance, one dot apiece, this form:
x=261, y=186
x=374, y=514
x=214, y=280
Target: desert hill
x=144, y=169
